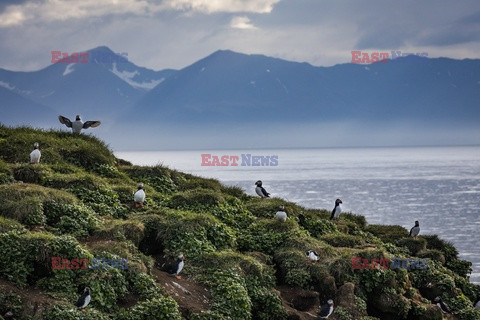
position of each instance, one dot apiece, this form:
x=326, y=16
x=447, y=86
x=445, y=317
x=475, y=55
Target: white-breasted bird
x=84, y=299
x=477, y=304
x=281, y=214
x=35, y=154
x=177, y=267
x=261, y=190
x=78, y=124
x=326, y=310
x=415, y=230
x=139, y=196
x=336, y=210
x=442, y=305
x=312, y=255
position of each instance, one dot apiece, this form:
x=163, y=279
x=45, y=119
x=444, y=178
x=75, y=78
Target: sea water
x=438, y=186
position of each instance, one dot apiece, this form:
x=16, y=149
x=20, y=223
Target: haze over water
x=439, y=186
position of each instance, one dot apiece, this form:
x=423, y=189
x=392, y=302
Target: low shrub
x=69, y=312
x=102, y=199
x=27, y=256
x=433, y=254
x=74, y=219
x=266, y=236
x=187, y=232
x=31, y=173
x=187, y=200
x=359, y=220
x=461, y=267
x=229, y=296
x=163, y=308
x=413, y=245
x=7, y=225
x=386, y=233
x=158, y=177
x=267, y=208
x=132, y=230
x=207, y=315
x=316, y=226
x=343, y=240
x=447, y=248
x=194, y=182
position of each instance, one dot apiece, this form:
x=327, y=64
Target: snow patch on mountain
x=68, y=69
x=128, y=78
x=6, y=85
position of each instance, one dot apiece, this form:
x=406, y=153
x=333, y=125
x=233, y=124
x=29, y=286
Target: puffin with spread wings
x=78, y=124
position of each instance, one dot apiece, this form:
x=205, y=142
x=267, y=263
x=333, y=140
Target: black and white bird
x=35, y=154
x=415, y=230
x=78, y=124
x=261, y=190
x=84, y=299
x=177, y=267
x=477, y=304
x=326, y=310
x=9, y=315
x=281, y=214
x=336, y=211
x=442, y=305
x=139, y=196
x=312, y=255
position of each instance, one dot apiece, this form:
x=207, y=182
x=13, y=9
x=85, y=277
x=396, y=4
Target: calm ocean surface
x=439, y=186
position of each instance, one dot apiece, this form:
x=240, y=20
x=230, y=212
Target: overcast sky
x=160, y=34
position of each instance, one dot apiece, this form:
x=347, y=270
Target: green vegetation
x=78, y=204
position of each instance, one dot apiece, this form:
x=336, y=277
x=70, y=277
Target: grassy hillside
x=240, y=263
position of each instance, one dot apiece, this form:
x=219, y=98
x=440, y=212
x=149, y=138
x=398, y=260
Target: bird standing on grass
x=261, y=190
x=415, y=230
x=139, y=196
x=35, y=154
x=78, y=124
x=177, y=267
x=84, y=299
x=312, y=255
x=336, y=210
x=442, y=305
x=326, y=310
x=281, y=214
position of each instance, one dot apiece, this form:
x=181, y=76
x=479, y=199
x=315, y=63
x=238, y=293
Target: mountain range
x=227, y=95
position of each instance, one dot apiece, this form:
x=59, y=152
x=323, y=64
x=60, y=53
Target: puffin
x=78, y=124
x=281, y=215
x=477, y=304
x=442, y=305
x=336, y=211
x=84, y=299
x=139, y=196
x=35, y=154
x=261, y=190
x=326, y=310
x=312, y=255
x=415, y=230
x=177, y=267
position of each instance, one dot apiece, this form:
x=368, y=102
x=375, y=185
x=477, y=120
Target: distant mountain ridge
x=229, y=86
x=238, y=89
x=94, y=88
